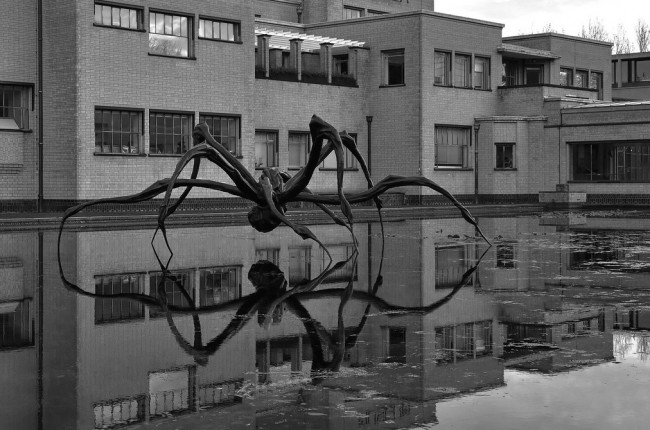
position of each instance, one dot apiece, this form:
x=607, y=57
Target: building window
x=118, y=131
x=634, y=71
x=581, y=79
x=510, y=73
x=566, y=77
x=299, y=264
x=17, y=324
x=505, y=155
x=219, y=30
x=393, y=67
x=170, y=133
x=340, y=253
x=452, y=146
x=349, y=162
x=118, y=16
x=611, y=162
x=14, y=107
x=394, y=344
x=270, y=254
x=170, y=35
x=174, y=284
x=461, y=70
x=298, y=149
x=614, y=74
x=371, y=12
x=117, y=309
x=226, y=130
x=266, y=149
x=442, y=68
x=506, y=256
x=219, y=285
x=352, y=12
x=596, y=83
x=481, y=73
x=340, y=64
x=451, y=264
x=534, y=75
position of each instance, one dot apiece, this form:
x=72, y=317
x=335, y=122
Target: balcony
x=298, y=57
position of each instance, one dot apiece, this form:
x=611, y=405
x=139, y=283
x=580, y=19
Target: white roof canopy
x=280, y=40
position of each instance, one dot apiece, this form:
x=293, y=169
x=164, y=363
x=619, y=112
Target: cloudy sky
x=527, y=16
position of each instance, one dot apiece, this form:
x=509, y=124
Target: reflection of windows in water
x=451, y=264
x=299, y=264
x=16, y=322
x=114, y=309
x=529, y=333
x=169, y=391
x=600, y=250
x=394, y=344
x=173, y=292
x=268, y=254
x=340, y=253
x=463, y=341
x=506, y=256
x=219, y=285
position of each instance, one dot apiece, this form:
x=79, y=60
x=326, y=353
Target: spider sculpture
x=275, y=188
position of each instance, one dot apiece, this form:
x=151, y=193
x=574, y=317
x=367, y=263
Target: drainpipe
x=559, y=150
x=477, y=126
x=369, y=163
x=40, y=106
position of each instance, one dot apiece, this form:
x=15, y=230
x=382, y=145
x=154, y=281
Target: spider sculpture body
x=275, y=188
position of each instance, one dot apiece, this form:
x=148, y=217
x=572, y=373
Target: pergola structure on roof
x=281, y=40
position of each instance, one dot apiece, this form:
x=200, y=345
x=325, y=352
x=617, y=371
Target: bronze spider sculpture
x=275, y=188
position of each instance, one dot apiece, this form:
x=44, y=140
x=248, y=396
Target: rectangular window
x=228, y=31
x=118, y=16
x=506, y=256
x=118, y=131
x=110, y=309
x=349, y=162
x=174, y=284
x=566, y=77
x=170, y=133
x=219, y=285
x=298, y=149
x=611, y=162
x=635, y=70
x=505, y=155
x=481, y=73
x=340, y=64
x=534, y=75
x=299, y=264
x=371, y=12
x=15, y=103
x=451, y=264
x=510, y=71
x=266, y=149
x=614, y=74
x=394, y=344
x=17, y=324
x=340, y=253
x=452, y=146
x=170, y=35
x=225, y=129
x=268, y=254
x=581, y=79
x=393, y=67
x=442, y=68
x=169, y=391
x=461, y=70
x=352, y=13
x=596, y=83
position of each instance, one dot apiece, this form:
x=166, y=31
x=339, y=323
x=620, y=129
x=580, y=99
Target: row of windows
x=450, y=69
x=350, y=12
x=452, y=149
x=170, y=34
x=216, y=285
x=611, y=162
x=632, y=71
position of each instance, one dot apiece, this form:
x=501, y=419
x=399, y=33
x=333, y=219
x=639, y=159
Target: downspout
x=40, y=106
x=369, y=121
x=477, y=126
x=559, y=149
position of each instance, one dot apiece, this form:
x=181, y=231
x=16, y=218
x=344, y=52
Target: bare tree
x=622, y=44
x=642, y=33
x=595, y=30
x=548, y=28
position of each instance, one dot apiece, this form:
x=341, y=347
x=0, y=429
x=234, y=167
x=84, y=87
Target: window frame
x=238, y=145
x=539, y=68
x=203, y=287
x=236, y=29
x=467, y=68
x=190, y=32
x=276, y=156
x=190, y=130
x=139, y=10
x=306, y=155
x=141, y=145
x=385, y=67
x=566, y=73
x=349, y=162
x=486, y=81
x=504, y=146
x=26, y=91
x=599, y=86
x=585, y=78
x=623, y=160
x=464, y=153
x=446, y=77
x=341, y=64
x=350, y=9
x=136, y=310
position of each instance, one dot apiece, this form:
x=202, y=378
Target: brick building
x=107, y=99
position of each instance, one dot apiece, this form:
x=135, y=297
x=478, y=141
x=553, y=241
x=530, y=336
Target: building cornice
x=557, y=36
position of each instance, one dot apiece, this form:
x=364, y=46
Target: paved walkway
x=98, y=220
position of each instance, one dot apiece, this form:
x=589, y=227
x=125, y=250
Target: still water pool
x=548, y=328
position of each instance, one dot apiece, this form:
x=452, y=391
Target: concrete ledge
x=566, y=197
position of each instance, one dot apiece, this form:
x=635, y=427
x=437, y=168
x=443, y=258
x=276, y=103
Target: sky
x=568, y=17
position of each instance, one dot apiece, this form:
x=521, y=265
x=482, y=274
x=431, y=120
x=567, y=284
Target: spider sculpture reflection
x=275, y=188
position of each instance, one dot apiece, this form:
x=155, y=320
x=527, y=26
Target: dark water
x=548, y=331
